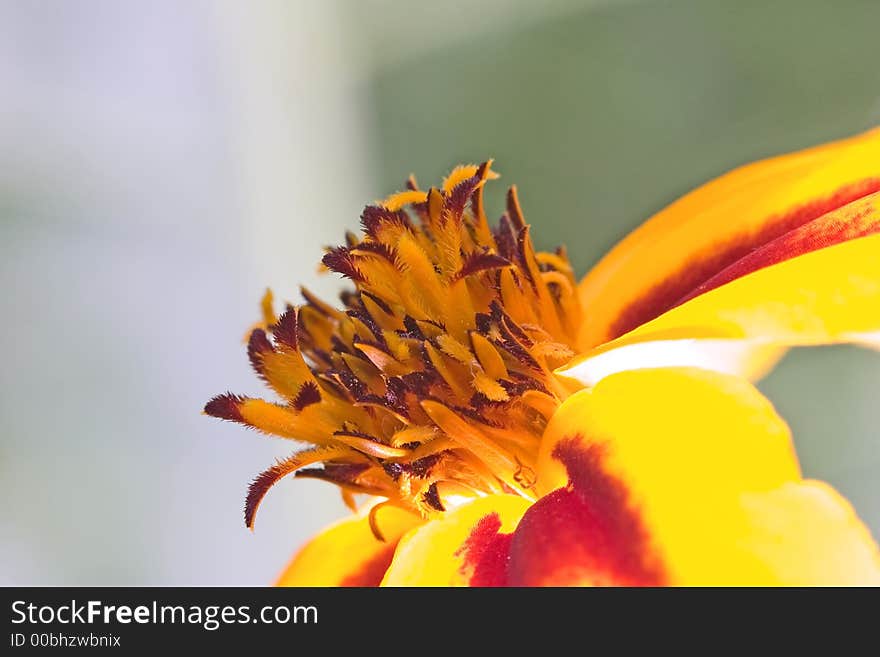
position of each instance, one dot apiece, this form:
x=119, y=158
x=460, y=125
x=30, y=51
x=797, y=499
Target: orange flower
x=514, y=427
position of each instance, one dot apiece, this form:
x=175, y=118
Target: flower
x=515, y=427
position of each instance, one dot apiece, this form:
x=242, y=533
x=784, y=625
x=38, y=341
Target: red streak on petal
x=858, y=219
x=584, y=534
x=372, y=571
x=701, y=268
x=485, y=553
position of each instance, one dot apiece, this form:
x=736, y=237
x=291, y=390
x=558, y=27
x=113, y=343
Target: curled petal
x=272, y=475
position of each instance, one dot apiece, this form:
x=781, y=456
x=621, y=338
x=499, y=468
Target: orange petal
x=348, y=553
x=466, y=547
x=828, y=296
x=713, y=227
x=681, y=476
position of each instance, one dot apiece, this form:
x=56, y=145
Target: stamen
x=433, y=383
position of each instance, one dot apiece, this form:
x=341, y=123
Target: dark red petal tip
x=286, y=330
x=341, y=261
x=477, y=262
x=258, y=345
x=225, y=407
x=308, y=394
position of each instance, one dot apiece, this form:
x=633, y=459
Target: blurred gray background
x=161, y=163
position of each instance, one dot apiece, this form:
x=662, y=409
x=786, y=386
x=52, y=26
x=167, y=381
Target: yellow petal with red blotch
x=824, y=297
x=466, y=547
x=681, y=476
x=348, y=553
x=713, y=227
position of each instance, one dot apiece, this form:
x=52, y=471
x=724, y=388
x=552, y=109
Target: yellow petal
x=827, y=296
x=467, y=546
x=712, y=227
x=779, y=523
x=697, y=471
x=348, y=553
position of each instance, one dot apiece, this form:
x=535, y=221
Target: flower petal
x=828, y=296
x=778, y=525
x=467, y=546
x=584, y=534
x=348, y=553
x=682, y=476
x=713, y=227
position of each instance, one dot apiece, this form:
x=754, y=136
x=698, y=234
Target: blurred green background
x=161, y=163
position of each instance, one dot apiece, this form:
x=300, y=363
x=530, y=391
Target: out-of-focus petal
x=802, y=534
x=828, y=296
x=681, y=476
x=468, y=546
x=348, y=553
x=715, y=226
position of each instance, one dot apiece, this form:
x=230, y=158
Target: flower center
x=435, y=380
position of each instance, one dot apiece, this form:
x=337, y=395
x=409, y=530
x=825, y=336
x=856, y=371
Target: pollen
x=434, y=380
